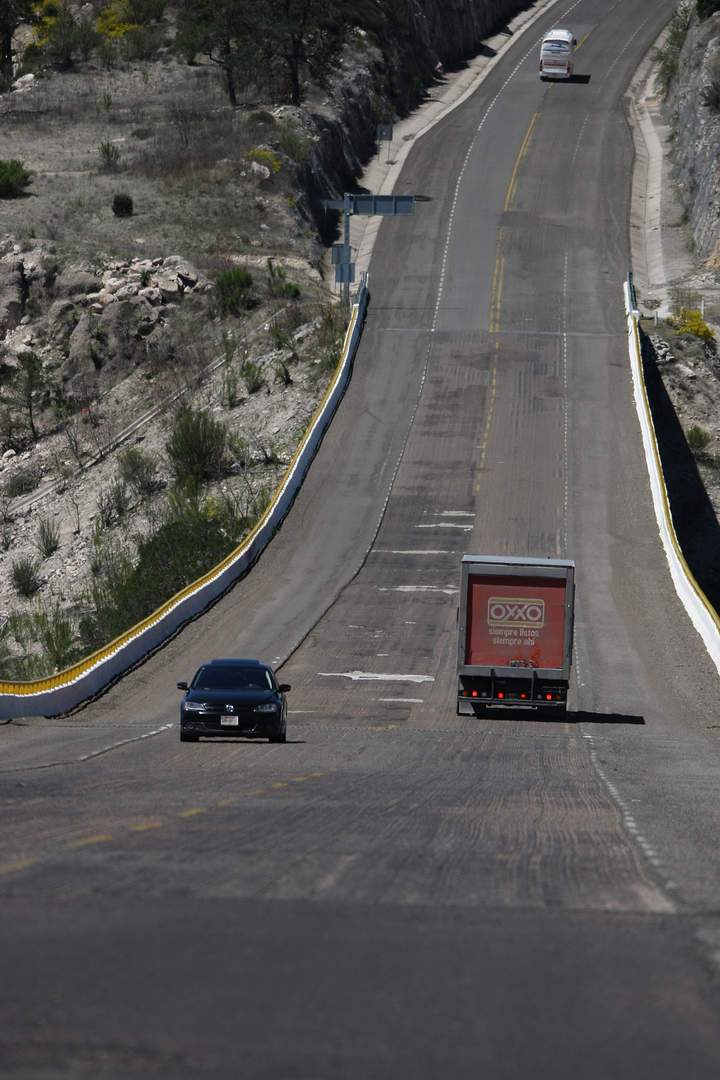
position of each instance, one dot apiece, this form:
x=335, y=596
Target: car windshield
x=233, y=678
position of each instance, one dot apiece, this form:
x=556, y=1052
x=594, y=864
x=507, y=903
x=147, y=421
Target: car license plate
x=229, y=721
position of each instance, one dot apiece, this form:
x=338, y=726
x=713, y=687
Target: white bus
x=556, y=54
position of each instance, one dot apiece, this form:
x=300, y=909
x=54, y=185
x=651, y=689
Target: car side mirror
x=284, y=687
x=182, y=686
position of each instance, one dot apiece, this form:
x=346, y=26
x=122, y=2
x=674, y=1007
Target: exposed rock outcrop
x=99, y=320
x=13, y=290
x=692, y=110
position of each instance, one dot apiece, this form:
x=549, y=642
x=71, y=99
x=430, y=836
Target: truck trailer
x=515, y=633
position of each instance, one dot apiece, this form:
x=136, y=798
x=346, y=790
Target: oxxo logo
x=516, y=612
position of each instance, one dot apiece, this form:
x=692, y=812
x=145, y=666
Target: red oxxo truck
x=515, y=637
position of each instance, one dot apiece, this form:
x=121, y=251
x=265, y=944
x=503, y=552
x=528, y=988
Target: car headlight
x=265, y=708
x=194, y=706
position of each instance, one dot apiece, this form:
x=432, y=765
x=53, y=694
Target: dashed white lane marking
x=378, y=676
x=401, y=700
x=124, y=742
x=90, y=756
x=446, y=525
x=628, y=818
x=417, y=551
x=448, y=590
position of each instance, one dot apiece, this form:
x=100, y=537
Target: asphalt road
x=399, y=891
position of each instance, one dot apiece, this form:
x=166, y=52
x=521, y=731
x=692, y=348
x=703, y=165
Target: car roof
x=234, y=661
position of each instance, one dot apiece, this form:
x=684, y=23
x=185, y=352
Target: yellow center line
x=496, y=294
x=145, y=826
x=513, y=179
x=21, y=864
x=497, y=289
x=100, y=838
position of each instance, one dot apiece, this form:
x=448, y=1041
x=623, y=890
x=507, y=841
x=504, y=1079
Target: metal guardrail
x=61, y=692
x=631, y=291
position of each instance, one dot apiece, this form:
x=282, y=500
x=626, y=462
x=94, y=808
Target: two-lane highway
x=399, y=891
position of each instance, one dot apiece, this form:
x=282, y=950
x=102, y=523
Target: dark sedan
x=234, y=698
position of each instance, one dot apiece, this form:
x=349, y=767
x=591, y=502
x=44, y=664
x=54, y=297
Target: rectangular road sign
x=383, y=204
x=345, y=273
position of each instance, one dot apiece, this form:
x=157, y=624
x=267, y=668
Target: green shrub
x=233, y=290
x=144, y=12
x=122, y=205
x=188, y=543
x=48, y=628
x=253, y=376
x=25, y=577
x=14, y=178
x=197, y=448
x=54, y=633
x=229, y=388
x=113, y=503
x=139, y=470
x=690, y=321
x=278, y=284
x=109, y=156
x=262, y=118
x=61, y=37
x=295, y=147
x=697, y=439
x=22, y=483
x=667, y=57
x=48, y=537
x=142, y=42
x=282, y=373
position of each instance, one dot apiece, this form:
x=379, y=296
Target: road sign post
x=361, y=204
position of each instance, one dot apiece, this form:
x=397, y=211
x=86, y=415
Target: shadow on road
x=581, y=717
x=570, y=717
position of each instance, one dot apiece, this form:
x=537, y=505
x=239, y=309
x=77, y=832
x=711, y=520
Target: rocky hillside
x=692, y=110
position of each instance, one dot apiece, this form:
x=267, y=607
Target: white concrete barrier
x=59, y=693
x=702, y=615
